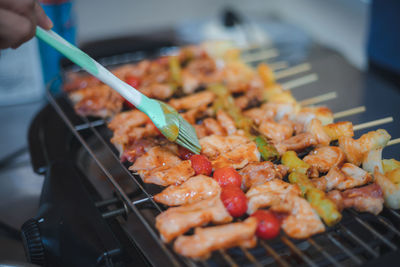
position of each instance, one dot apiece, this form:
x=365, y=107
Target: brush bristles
x=187, y=136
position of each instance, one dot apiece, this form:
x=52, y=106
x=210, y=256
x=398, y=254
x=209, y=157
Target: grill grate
x=357, y=239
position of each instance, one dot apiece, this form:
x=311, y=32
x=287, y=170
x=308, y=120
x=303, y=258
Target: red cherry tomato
x=234, y=199
x=227, y=176
x=184, y=153
x=268, y=224
x=201, y=165
x=132, y=81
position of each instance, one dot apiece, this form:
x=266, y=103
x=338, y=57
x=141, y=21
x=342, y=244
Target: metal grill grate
x=358, y=239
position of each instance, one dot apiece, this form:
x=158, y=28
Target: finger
x=14, y=29
x=41, y=18
x=22, y=7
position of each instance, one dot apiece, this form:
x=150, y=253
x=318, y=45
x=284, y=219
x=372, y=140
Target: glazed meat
x=206, y=240
x=234, y=150
x=178, y=220
x=193, y=101
x=368, y=198
x=261, y=172
x=317, y=130
x=161, y=166
x=348, y=176
x=99, y=100
x=275, y=131
x=281, y=197
x=356, y=149
x=193, y=190
x=296, y=143
x=324, y=158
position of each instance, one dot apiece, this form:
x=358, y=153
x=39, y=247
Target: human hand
x=18, y=21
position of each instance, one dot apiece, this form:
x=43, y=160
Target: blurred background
x=301, y=30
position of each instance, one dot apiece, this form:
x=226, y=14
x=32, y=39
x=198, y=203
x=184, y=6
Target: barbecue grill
x=96, y=212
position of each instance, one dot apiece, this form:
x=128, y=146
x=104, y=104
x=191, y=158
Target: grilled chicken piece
x=206, y=240
x=281, y=197
x=193, y=190
x=275, y=131
x=261, y=172
x=237, y=76
x=269, y=193
x=324, y=158
x=99, y=100
x=259, y=115
x=130, y=126
x=178, y=220
x=193, y=101
x=280, y=109
x=158, y=90
x=161, y=166
x=201, y=130
x=368, y=198
x=390, y=187
x=193, y=114
x=296, y=143
x=356, y=149
x=239, y=157
x=348, y=176
x=338, y=129
x=215, y=145
x=306, y=115
x=317, y=130
x=213, y=127
x=226, y=122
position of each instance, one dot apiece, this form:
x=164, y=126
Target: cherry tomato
x=268, y=224
x=227, y=176
x=132, y=81
x=234, y=199
x=184, y=153
x=201, y=165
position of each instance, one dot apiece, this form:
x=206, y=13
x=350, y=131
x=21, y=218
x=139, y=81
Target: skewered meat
x=193, y=190
x=368, y=198
x=296, y=143
x=99, y=100
x=206, y=240
x=348, y=176
x=390, y=189
x=317, y=130
x=338, y=129
x=178, y=220
x=161, y=166
x=301, y=222
x=275, y=131
x=324, y=158
x=226, y=122
x=261, y=172
x=355, y=149
x=306, y=115
x=193, y=101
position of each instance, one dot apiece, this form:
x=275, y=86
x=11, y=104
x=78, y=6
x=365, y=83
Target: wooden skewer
x=278, y=65
x=300, y=81
x=318, y=99
x=292, y=71
x=349, y=112
x=393, y=142
x=372, y=123
x=260, y=56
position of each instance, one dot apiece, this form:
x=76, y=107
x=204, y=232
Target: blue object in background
x=62, y=15
x=384, y=36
